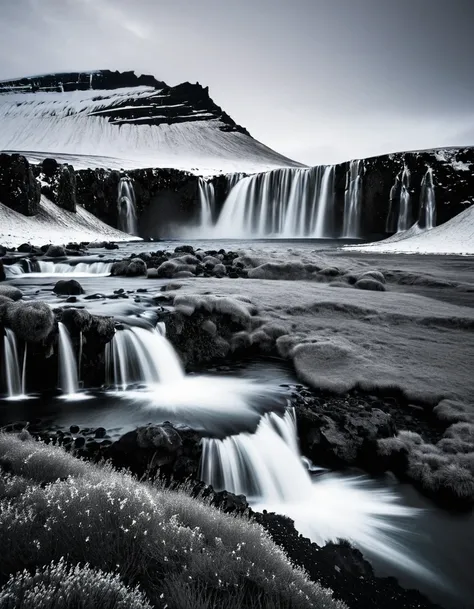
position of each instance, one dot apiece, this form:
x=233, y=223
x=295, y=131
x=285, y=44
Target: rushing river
x=252, y=443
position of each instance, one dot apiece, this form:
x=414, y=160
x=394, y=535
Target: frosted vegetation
x=76, y=526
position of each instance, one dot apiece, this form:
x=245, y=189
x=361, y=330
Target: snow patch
x=55, y=225
x=454, y=237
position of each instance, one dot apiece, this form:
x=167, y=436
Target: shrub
x=60, y=586
x=452, y=411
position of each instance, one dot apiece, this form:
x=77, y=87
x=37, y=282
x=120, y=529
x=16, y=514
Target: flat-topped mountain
x=134, y=121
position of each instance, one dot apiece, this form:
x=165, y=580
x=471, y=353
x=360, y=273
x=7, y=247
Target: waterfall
x=12, y=365
x=207, y=200
x=23, y=370
x=322, y=225
x=81, y=269
x=427, y=217
x=266, y=466
x=352, y=201
x=392, y=216
x=127, y=212
x=68, y=379
x=284, y=203
x=405, y=213
x=140, y=355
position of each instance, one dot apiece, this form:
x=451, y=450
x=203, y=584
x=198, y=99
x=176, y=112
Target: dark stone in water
x=55, y=251
x=111, y=246
x=79, y=442
x=72, y=299
x=187, y=249
x=24, y=248
x=100, y=432
x=94, y=297
x=74, y=429
x=68, y=287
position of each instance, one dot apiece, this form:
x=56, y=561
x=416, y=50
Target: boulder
x=2, y=271
x=76, y=320
x=25, y=248
x=11, y=292
x=55, y=251
x=68, y=287
x=134, y=267
x=31, y=321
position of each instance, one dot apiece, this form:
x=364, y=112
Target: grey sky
x=318, y=80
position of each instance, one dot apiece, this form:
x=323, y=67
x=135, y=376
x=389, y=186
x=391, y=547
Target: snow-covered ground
x=454, y=237
x=72, y=123
x=54, y=225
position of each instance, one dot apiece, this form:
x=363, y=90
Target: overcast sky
x=320, y=81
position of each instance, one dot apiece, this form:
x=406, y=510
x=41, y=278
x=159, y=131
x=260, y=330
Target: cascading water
x=82, y=269
x=127, y=212
x=427, y=218
x=207, y=200
x=68, y=378
x=353, y=201
x=267, y=467
x=12, y=366
x=392, y=216
x=287, y=203
x=405, y=219
x=140, y=355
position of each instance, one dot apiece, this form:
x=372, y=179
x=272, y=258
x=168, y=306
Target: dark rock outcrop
x=158, y=448
x=58, y=183
x=19, y=189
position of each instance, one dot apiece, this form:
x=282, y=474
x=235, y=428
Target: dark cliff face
x=164, y=197
x=80, y=81
x=169, y=198
x=18, y=188
x=453, y=178
x=167, y=105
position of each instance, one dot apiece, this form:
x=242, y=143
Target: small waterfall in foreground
x=140, y=355
x=127, y=212
x=353, y=201
x=283, y=203
x=207, y=201
x=266, y=466
x=12, y=365
x=405, y=219
x=68, y=378
x=427, y=219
